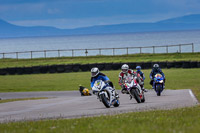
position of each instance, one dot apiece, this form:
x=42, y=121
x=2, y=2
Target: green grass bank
x=5, y=63
x=175, y=79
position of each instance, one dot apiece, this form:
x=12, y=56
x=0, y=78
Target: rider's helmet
x=94, y=72
x=125, y=68
x=138, y=68
x=85, y=92
x=155, y=67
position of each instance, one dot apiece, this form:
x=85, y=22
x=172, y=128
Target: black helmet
x=156, y=67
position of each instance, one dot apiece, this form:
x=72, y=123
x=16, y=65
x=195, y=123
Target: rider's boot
x=145, y=90
x=123, y=91
x=130, y=97
x=116, y=94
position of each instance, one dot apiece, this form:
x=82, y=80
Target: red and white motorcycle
x=133, y=88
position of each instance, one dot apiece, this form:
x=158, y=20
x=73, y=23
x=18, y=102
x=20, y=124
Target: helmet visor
x=93, y=74
x=138, y=69
x=155, y=68
x=124, y=70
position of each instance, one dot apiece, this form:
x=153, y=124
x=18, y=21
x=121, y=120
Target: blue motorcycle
x=158, y=84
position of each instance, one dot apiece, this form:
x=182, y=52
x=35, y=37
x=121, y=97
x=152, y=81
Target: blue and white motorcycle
x=158, y=84
x=106, y=94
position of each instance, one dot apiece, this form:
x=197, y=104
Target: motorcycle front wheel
x=158, y=89
x=136, y=94
x=105, y=100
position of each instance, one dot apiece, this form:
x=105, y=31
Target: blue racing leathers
x=153, y=73
x=98, y=77
x=141, y=74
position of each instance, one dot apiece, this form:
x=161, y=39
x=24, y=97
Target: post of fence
x=192, y=47
x=113, y=51
x=16, y=55
x=140, y=50
x=72, y=53
x=58, y=53
x=154, y=49
x=127, y=50
x=86, y=52
x=179, y=48
x=3, y=55
x=31, y=54
x=45, y=55
x=167, y=49
x=99, y=51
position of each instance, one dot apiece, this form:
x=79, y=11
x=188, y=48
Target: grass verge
x=184, y=120
x=4, y=63
x=21, y=99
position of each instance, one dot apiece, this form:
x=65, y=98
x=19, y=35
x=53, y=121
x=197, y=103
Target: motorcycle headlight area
x=98, y=85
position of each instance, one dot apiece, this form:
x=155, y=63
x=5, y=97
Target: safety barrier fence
x=180, y=48
x=87, y=67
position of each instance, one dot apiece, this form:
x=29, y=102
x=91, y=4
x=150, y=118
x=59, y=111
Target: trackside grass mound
x=175, y=79
x=4, y=63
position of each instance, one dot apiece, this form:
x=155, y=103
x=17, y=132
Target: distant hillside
x=9, y=30
x=190, y=22
x=194, y=18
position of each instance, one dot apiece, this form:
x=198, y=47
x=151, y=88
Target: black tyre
x=117, y=103
x=136, y=94
x=158, y=88
x=143, y=99
x=105, y=101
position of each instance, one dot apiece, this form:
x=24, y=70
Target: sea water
x=100, y=41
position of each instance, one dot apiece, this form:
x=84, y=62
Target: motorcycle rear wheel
x=117, y=103
x=143, y=99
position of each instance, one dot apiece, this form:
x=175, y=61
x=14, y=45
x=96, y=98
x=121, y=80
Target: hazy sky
x=82, y=13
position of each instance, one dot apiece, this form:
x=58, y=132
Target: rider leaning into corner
x=126, y=72
x=155, y=70
x=97, y=75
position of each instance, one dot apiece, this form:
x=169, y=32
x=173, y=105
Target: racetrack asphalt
x=70, y=104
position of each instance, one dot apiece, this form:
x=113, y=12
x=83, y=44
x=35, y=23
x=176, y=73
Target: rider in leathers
x=142, y=77
x=155, y=71
x=97, y=75
x=126, y=72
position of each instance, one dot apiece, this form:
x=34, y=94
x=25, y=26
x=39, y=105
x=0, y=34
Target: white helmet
x=125, y=68
x=94, y=71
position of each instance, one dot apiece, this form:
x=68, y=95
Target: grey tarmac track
x=69, y=104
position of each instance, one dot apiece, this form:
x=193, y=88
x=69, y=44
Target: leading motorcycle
x=105, y=93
